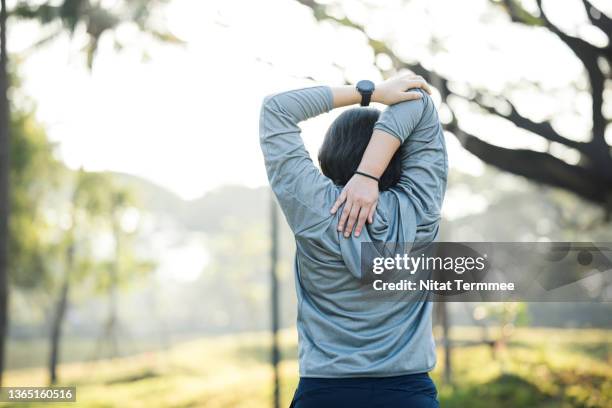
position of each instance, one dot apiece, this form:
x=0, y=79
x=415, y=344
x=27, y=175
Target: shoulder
x=430, y=113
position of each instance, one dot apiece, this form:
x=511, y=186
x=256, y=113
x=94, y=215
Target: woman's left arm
x=301, y=189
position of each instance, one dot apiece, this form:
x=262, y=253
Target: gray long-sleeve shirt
x=341, y=335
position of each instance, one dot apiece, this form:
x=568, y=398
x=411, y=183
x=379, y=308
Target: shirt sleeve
x=423, y=156
x=302, y=191
x=401, y=119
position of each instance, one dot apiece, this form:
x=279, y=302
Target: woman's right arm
x=360, y=195
x=424, y=165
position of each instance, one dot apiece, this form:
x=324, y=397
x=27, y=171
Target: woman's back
x=341, y=333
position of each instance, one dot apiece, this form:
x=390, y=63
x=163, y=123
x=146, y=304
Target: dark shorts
x=413, y=391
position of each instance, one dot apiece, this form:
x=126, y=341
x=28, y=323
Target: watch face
x=365, y=86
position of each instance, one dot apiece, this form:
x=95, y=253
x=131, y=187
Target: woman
x=390, y=169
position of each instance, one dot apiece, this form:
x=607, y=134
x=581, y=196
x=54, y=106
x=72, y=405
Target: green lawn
x=539, y=368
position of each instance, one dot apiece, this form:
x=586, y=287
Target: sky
x=187, y=117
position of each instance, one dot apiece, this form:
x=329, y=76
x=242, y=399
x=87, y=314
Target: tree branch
x=379, y=47
x=588, y=182
x=519, y=15
x=587, y=53
x=543, y=129
x=538, y=167
x=598, y=19
x=604, y=23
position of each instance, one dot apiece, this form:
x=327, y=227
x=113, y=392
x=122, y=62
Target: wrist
x=355, y=95
x=371, y=168
x=365, y=88
x=345, y=95
x=376, y=97
x=369, y=172
x=367, y=177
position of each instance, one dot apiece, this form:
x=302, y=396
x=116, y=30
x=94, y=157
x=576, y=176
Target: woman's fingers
x=356, y=215
x=356, y=199
x=419, y=83
x=361, y=220
x=371, y=213
x=410, y=96
x=345, y=213
x=350, y=223
x=339, y=201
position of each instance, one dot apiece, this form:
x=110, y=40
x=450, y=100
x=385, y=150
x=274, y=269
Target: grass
x=539, y=368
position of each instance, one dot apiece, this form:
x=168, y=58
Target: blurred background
x=141, y=261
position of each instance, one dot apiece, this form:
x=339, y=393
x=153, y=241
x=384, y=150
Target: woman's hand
x=361, y=197
x=395, y=90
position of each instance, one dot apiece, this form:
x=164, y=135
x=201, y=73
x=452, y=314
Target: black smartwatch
x=366, y=89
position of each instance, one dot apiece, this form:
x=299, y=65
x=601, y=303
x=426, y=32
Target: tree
x=97, y=206
x=4, y=184
x=97, y=21
x=36, y=175
x=85, y=212
x=34, y=172
x=125, y=265
x=591, y=177
x=96, y=18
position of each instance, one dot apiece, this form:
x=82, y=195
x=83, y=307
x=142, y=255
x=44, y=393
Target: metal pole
x=275, y=353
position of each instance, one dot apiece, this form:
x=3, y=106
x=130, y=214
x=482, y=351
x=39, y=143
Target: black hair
x=346, y=141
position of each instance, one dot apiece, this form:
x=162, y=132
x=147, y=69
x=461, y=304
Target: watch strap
x=365, y=89
x=365, y=98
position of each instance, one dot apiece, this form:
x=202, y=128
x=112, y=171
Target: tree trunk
x=110, y=330
x=4, y=186
x=112, y=322
x=58, y=319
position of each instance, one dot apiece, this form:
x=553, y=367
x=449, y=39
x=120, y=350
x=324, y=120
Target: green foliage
x=55, y=210
x=34, y=171
x=545, y=368
x=124, y=265
x=504, y=314
x=518, y=13
x=97, y=209
x=97, y=19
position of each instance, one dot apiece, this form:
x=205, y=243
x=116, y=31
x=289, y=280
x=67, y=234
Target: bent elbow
x=267, y=99
x=271, y=102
